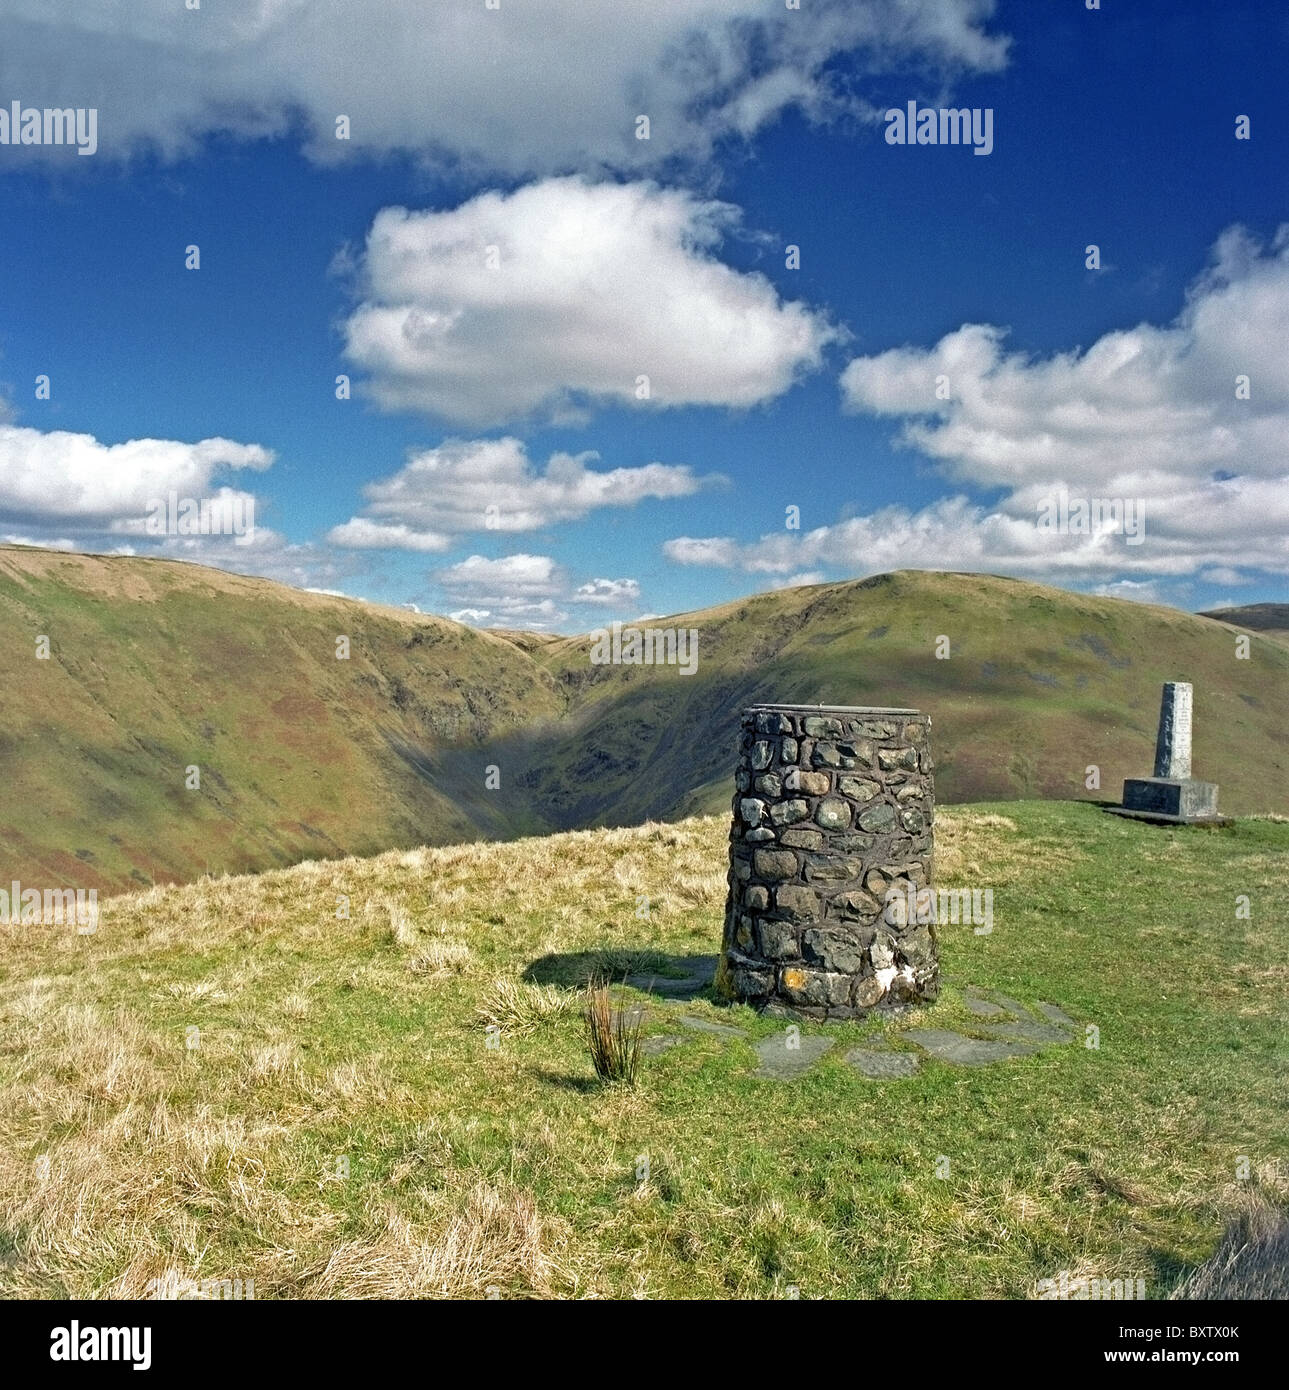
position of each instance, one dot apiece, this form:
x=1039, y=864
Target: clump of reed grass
x=612, y=1035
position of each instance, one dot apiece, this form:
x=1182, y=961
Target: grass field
x=127, y=1154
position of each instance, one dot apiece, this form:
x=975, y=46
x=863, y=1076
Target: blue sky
x=514, y=385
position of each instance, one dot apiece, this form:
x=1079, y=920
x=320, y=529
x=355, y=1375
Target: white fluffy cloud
x=53, y=543
x=1151, y=413
x=524, y=89
x=463, y=486
x=720, y=551
x=362, y=533
x=268, y=555
x=594, y=287
x=511, y=576
x=611, y=592
x=65, y=491
x=527, y=590
x=513, y=591
x=63, y=477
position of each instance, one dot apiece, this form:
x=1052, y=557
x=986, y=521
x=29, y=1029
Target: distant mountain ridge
x=1271, y=618
x=431, y=732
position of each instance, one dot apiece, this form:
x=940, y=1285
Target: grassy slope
x=471, y=1167
x=1039, y=684
x=157, y=666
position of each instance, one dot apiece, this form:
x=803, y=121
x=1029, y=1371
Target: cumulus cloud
x=522, y=89
x=53, y=543
x=60, y=476
x=362, y=533
x=1151, y=414
x=951, y=533
x=66, y=491
x=613, y=592
x=524, y=576
x=527, y=590
x=463, y=486
x=796, y=581
x=708, y=550
x=587, y=289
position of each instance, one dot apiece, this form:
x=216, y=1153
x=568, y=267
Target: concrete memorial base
x=1179, y=798
x=1172, y=796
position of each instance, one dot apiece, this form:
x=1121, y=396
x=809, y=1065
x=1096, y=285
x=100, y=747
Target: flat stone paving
x=702, y=975
x=963, y=1051
x=785, y=1063
x=787, y=1055
x=703, y=1026
x=883, y=1065
x=1025, y=1030
x=1012, y=1006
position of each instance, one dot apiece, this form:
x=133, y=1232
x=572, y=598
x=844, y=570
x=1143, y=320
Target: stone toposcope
x=830, y=845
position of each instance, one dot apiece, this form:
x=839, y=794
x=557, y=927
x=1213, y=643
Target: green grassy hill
x=342, y=1127
x=1038, y=685
x=155, y=666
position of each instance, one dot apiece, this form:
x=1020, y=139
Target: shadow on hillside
x=1251, y=1262
x=642, y=968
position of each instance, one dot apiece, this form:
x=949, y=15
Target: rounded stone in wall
x=830, y=844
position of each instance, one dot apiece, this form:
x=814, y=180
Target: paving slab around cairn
x=883, y=1065
x=784, y=1063
x=984, y=1008
x=961, y=1051
x=1012, y=1006
x=699, y=978
x=1026, y=1030
x=1057, y=1016
x=703, y=1026
x=1020, y=1035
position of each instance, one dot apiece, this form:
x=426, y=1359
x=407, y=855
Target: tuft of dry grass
x=272, y=1062
x=1252, y=1261
x=515, y=1006
x=440, y=956
x=296, y=1005
x=402, y=930
x=494, y=1241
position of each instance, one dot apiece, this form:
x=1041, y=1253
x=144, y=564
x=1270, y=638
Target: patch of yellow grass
x=440, y=956
x=492, y=1241
x=515, y=1006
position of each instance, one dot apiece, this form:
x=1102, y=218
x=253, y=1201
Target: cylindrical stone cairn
x=831, y=842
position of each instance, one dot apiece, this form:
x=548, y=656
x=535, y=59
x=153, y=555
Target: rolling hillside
x=1038, y=685
x=156, y=666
